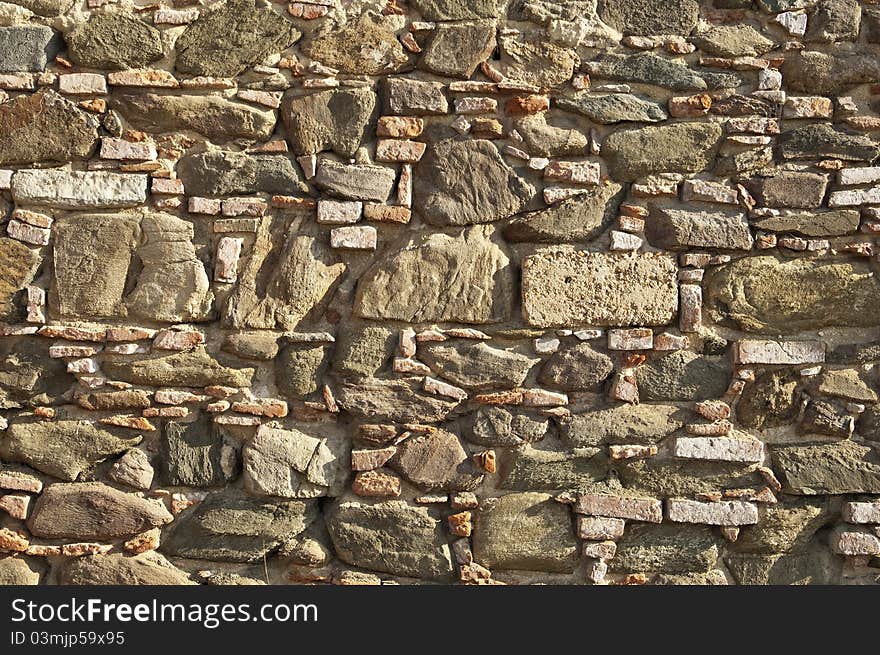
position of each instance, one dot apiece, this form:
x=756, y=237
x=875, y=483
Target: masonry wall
x=373, y=292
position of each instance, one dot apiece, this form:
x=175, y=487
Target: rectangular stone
x=82, y=84
x=621, y=507
x=763, y=351
x=576, y=172
x=859, y=175
x=854, y=197
x=339, y=212
x=6, y=179
x=226, y=264
x=855, y=543
x=354, y=238
x=36, y=236
x=77, y=189
x=561, y=289
x=862, y=512
x=399, y=151
x=632, y=339
x=720, y=449
x=729, y=512
x=599, y=528
x=122, y=149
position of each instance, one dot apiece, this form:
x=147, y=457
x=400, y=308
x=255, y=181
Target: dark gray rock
x=355, y=181
x=790, y=189
x=27, y=48
x=813, y=224
x=832, y=21
x=499, y=426
x=665, y=549
x=678, y=148
x=822, y=140
x=650, y=17
x=835, y=468
x=194, y=455
x=475, y=365
x=644, y=423
x=829, y=74
x=538, y=469
x=579, y=368
x=364, y=350
x=545, y=140
x=657, y=71
x=400, y=401
x=684, y=375
x=610, y=108
x=114, y=41
x=226, y=173
x=679, y=229
x=299, y=368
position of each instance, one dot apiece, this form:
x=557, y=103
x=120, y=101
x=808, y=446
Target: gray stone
x=829, y=74
x=579, y=368
x=650, y=17
x=540, y=469
x=18, y=265
x=64, y=449
x=665, y=549
x=684, y=375
x=466, y=182
x=834, y=20
x=457, y=9
x=685, y=478
x=457, y=49
x=230, y=526
x=645, y=68
x=256, y=344
x=400, y=401
x=334, y=120
x=499, y=426
x=531, y=59
x=391, y=537
x=462, y=277
x=790, y=189
x=436, y=461
x=288, y=279
x=355, y=181
x=772, y=295
x=18, y=571
x=822, y=140
x=193, y=455
x=44, y=127
x=622, y=424
x=93, y=511
x=813, y=224
x=195, y=368
x=527, y=531
x=298, y=369
x=546, y=140
x=114, y=41
x=408, y=97
x=226, y=173
x=366, y=46
x=578, y=219
x=148, y=568
x=475, y=365
x=835, y=468
x=233, y=37
x=363, y=351
x=212, y=116
x=28, y=376
x=610, y=108
x=682, y=229
x=564, y=289
x=678, y=148
x=733, y=41
x=65, y=189
x=27, y=48
x=133, y=469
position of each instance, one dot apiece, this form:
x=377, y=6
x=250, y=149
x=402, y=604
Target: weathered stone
x=298, y=368
x=790, y=189
x=770, y=294
x=18, y=571
x=827, y=417
x=457, y=49
x=650, y=69
x=355, y=181
x=225, y=173
x=47, y=8
x=78, y=189
x=27, y=48
x=114, y=41
x=447, y=178
x=665, y=549
x=834, y=20
x=336, y=120
x=133, y=469
x=229, y=526
x=405, y=96
x=289, y=464
x=18, y=265
x=436, y=461
x=229, y=39
x=733, y=41
x=613, y=107
x=829, y=74
x=681, y=229
x=848, y=384
x=735, y=448
x=547, y=140
x=212, y=116
x=462, y=278
x=363, y=351
x=784, y=527
x=93, y=511
x=683, y=375
x=685, y=478
x=621, y=424
x=835, y=468
x=498, y=426
x=29, y=377
x=44, y=127
x=814, y=566
x=568, y=288
x=148, y=568
x=195, y=368
x=649, y=17
x=819, y=224
x=579, y=368
x=474, y=365
x=731, y=512
x=194, y=455
x=679, y=148
x=822, y=140
x=258, y=345
x=525, y=531
x=531, y=59
x=393, y=400
x=289, y=279
x=367, y=46
x=63, y=448
x=392, y=537
x=539, y=469
x=457, y=9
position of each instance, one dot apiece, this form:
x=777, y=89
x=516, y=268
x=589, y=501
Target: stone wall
x=378, y=291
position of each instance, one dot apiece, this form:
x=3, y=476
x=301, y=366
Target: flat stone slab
x=77, y=189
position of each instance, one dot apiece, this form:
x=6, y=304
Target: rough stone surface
x=683, y=375
x=436, y=461
x=366, y=46
x=114, y=41
x=476, y=365
x=27, y=48
x=645, y=17
x=335, y=120
x=682, y=228
x=148, y=568
x=680, y=148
